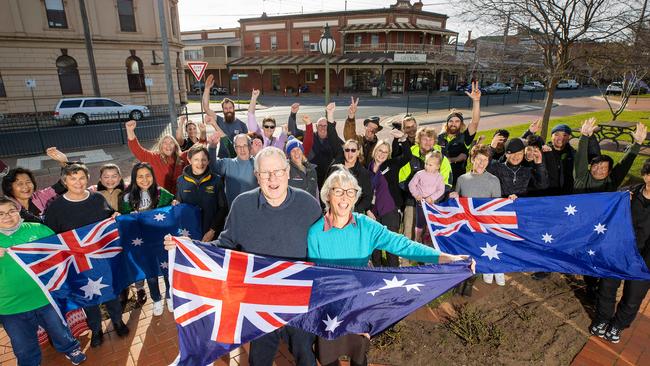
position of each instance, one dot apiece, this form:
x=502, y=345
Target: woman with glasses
x=352, y=158
x=388, y=195
x=344, y=238
x=268, y=125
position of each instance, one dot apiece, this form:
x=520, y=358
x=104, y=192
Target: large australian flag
x=224, y=298
x=93, y=264
x=588, y=234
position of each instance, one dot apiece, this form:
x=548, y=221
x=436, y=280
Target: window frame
x=310, y=76
x=69, y=79
x=257, y=41
x=120, y=17
x=274, y=42
x=135, y=81
x=48, y=12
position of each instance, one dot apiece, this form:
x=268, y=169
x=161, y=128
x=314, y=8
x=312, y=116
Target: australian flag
x=92, y=264
x=588, y=234
x=224, y=298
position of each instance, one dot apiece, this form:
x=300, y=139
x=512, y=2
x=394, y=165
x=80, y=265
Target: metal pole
x=38, y=127
x=428, y=94
x=168, y=66
x=238, y=99
x=89, y=48
x=408, y=101
x=209, y=93
x=327, y=80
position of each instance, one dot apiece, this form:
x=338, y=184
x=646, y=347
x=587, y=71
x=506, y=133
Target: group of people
x=321, y=198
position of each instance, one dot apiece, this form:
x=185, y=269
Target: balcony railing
x=400, y=47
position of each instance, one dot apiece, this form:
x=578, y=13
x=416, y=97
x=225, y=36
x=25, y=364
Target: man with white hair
x=287, y=214
x=238, y=171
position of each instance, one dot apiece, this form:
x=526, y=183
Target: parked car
x=82, y=110
x=497, y=88
x=568, y=84
x=533, y=86
x=614, y=88
x=215, y=90
x=462, y=88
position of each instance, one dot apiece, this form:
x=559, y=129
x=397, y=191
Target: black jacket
x=305, y=180
x=207, y=193
x=363, y=178
x=516, y=180
x=641, y=221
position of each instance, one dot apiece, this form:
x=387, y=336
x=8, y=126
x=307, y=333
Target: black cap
x=514, y=145
x=374, y=120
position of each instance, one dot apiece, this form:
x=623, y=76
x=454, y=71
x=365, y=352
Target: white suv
x=568, y=84
x=82, y=110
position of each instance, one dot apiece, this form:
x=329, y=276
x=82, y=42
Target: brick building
x=44, y=40
x=396, y=49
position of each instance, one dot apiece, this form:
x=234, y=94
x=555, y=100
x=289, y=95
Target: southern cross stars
x=395, y=283
x=570, y=210
x=159, y=217
x=490, y=251
x=600, y=228
x=183, y=232
x=93, y=288
x=331, y=324
x=547, y=238
x=137, y=242
x=164, y=265
x=591, y=252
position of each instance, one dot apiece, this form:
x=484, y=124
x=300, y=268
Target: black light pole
x=326, y=46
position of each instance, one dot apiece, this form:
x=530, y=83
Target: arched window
x=135, y=74
x=69, y=79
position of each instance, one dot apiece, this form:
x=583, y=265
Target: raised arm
x=251, y=123
x=350, y=128
x=205, y=100
x=581, y=163
x=291, y=122
x=621, y=169
x=308, y=140
x=137, y=150
x=476, y=108
x=180, y=136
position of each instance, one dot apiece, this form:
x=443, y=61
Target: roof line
x=349, y=12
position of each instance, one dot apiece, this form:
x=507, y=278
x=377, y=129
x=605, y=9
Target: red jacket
x=166, y=171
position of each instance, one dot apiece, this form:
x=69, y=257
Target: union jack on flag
x=58, y=254
x=236, y=290
x=487, y=217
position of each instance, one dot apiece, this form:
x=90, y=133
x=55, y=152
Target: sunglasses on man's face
x=269, y=127
x=350, y=150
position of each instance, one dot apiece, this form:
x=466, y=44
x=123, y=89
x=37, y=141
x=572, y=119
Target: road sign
x=30, y=83
x=197, y=68
x=235, y=76
x=148, y=81
x=243, y=75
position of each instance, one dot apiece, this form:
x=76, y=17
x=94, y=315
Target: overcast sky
x=210, y=14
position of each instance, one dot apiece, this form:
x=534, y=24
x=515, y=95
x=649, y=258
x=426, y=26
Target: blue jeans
x=22, y=330
x=154, y=290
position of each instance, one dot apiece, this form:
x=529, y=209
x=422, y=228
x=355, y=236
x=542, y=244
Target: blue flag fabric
x=588, y=234
x=224, y=298
x=92, y=264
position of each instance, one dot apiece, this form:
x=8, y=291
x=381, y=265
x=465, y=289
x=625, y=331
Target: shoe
x=613, y=334
x=97, y=339
x=158, y=308
x=598, y=328
x=538, y=276
x=76, y=357
x=487, y=278
x=170, y=305
x=121, y=329
x=142, y=297
x=500, y=279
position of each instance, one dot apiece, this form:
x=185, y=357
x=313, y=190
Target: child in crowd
x=427, y=185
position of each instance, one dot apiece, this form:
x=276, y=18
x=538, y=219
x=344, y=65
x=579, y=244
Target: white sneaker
x=500, y=279
x=158, y=307
x=487, y=277
x=170, y=305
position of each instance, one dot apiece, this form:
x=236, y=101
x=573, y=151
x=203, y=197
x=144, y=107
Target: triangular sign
x=197, y=68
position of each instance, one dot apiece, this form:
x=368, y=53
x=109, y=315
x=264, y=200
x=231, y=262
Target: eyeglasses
x=338, y=192
x=321, y=126
x=350, y=150
x=241, y=146
x=382, y=151
x=8, y=213
x=269, y=127
x=276, y=173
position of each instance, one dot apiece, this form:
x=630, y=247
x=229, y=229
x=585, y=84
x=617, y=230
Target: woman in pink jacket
x=427, y=185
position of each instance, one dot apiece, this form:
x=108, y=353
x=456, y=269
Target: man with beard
x=456, y=138
x=410, y=127
x=327, y=145
x=229, y=124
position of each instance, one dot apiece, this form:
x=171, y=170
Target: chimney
x=469, y=35
x=418, y=6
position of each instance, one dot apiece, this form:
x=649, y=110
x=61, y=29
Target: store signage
x=410, y=57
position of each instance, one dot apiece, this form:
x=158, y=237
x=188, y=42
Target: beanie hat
x=293, y=143
x=514, y=145
x=534, y=140
x=561, y=128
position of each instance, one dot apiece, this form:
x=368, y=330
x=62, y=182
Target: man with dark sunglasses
x=268, y=130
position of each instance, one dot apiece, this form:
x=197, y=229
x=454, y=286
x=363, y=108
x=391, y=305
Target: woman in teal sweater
x=342, y=237
x=23, y=305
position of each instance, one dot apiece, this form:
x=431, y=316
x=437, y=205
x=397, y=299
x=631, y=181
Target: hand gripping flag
x=92, y=264
x=224, y=298
x=588, y=234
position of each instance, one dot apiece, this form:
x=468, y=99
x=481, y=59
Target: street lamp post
x=326, y=46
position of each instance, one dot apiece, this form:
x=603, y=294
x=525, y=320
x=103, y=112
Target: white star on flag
x=490, y=251
x=183, y=232
x=600, y=228
x=570, y=210
x=591, y=252
x=547, y=238
x=93, y=288
x=373, y=293
x=415, y=286
x=159, y=217
x=137, y=242
x=331, y=324
x=164, y=265
x=394, y=283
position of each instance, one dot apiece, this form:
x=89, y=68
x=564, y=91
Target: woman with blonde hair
x=165, y=157
x=351, y=161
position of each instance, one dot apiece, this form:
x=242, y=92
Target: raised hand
x=255, y=93
x=306, y=120
x=546, y=148
x=201, y=126
x=209, y=82
x=588, y=127
x=295, y=107
x=331, y=107
x=397, y=134
x=476, y=92
x=56, y=155
x=496, y=140
x=352, y=109
x=640, y=133
x=130, y=126
x=537, y=156
x=535, y=126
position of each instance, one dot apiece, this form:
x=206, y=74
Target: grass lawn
x=576, y=121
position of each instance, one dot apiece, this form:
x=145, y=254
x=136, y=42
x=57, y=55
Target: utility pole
x=89, y=48
x=505, y=44
x=168, y=66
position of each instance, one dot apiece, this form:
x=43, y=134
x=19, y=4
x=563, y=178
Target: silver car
x=82, y=110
